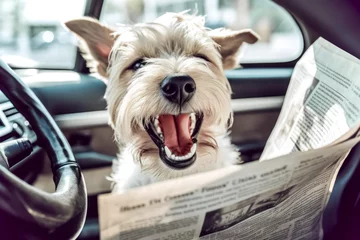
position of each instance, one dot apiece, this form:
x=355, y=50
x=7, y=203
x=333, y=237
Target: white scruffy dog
x=167, y=95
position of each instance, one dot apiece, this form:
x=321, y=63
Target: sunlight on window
x=32, y=35
x=281, y=39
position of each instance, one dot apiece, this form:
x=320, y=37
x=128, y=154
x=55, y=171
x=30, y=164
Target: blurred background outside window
x=32, y=35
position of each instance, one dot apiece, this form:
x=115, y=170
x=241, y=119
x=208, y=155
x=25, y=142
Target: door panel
x=94, y=149
x=259, y=82
x=64, y=92
x=77, y=104
x=253, y=126
x=258, y=94
x=95, y=180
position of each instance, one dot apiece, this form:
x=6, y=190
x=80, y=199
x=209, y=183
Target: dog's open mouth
x=176, y=137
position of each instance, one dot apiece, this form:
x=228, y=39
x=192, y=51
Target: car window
x=32, y=35
x=281, y=38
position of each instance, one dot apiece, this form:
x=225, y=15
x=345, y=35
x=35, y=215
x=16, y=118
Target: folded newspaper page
x=321, y=104
x=279, y=199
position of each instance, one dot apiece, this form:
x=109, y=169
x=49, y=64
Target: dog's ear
x=97, y=42
x=229, y=43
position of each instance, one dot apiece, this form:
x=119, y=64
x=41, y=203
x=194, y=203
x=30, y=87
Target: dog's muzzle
x=176, y=138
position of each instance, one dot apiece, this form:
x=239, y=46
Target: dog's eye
x=202, y=57
x=138, y=64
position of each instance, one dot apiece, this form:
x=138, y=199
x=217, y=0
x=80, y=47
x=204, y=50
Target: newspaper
x=278, y=199
x=282, y=198
x=321, y=106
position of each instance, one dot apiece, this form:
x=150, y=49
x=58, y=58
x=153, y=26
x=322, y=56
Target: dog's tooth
x=192, y=122
x=192, y=117
x=161, y=136
x=158, y=129
x=193, y=148
x=173, y=157
x=156, y=122
x=167, y=151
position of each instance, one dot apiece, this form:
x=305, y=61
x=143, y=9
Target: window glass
x=281, y=39
x=32, y=35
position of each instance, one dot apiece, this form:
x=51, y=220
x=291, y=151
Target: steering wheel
x=27, y=212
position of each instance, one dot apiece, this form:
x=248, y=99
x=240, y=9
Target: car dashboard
x=13, y=126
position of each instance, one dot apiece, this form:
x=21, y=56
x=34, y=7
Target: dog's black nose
x=178, y=88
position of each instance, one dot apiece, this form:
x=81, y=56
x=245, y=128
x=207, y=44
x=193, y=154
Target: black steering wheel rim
x=60, y=214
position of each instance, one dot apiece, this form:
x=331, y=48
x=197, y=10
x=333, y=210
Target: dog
x=168, y=98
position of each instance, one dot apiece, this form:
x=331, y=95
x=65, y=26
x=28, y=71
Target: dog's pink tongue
x=176, y=133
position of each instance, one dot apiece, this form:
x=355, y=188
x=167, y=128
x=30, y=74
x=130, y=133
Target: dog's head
x=167, y=93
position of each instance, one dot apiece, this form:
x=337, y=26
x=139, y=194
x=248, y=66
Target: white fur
x=175, y=43
x=127, y=174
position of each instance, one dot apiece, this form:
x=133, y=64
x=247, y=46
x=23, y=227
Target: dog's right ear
x=97, y=42
x=229, y=43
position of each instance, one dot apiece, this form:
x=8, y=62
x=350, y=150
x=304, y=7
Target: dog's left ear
x=229, y=43
x=97, y=42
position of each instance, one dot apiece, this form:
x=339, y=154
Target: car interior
x=56, y=106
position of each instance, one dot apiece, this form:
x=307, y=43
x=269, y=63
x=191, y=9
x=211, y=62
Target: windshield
x=281, y=38
x=32, y=35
